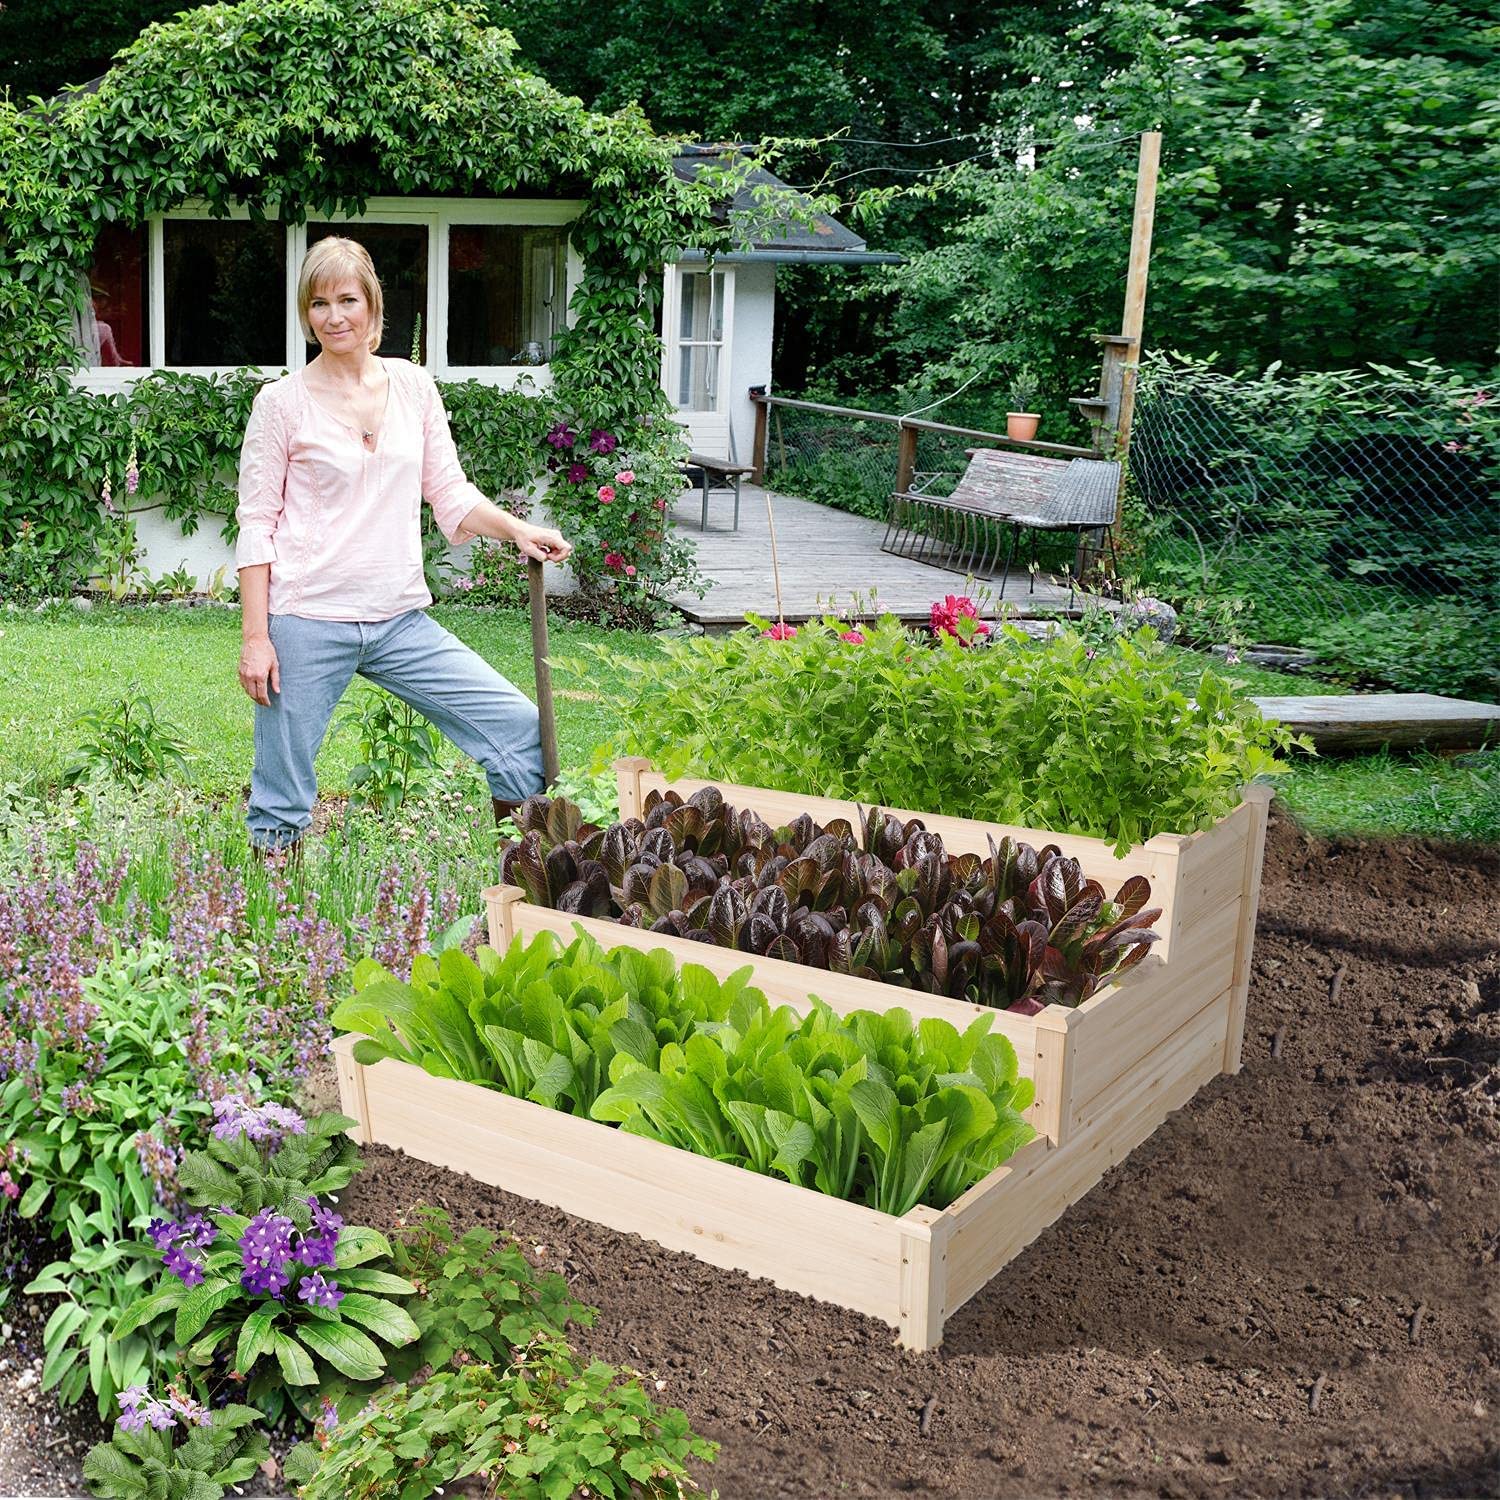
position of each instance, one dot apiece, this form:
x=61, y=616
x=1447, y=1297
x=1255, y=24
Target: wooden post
x=1135, y=280
x=550, y=763
x=758, y=446
x=906, y=457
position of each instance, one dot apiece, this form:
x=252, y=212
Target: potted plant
x=1021, y=421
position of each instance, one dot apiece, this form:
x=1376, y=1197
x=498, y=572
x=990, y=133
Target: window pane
x=111, y=328
x=698, y=385
x=400, y=255
x=225, y=292
x=507, y=293
x=703, y=306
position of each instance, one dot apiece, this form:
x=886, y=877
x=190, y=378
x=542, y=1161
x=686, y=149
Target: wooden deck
x=1365, y=721
x=827, y=558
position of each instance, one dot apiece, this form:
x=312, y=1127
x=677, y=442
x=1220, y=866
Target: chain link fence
x=1355, y=514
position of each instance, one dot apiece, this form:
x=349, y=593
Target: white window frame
x=672, y=341
x=437, y=214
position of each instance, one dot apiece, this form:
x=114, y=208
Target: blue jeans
x=412, y=657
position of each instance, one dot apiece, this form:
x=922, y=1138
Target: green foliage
x=95, y=1135
x=399, y=750
x=151, y=1464
x=233, y=1173
x=235, y=104
x=1444, y=647
x=1051, y=735
x=540, y=1430
x=126, y=741
x=1024, y=391
x=866, y=1107
x=29, y=570
x=478, y=1298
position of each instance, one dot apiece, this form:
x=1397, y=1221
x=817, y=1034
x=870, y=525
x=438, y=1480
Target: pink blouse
x=340, y=525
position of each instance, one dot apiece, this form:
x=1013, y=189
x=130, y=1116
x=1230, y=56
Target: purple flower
x=161, y=1233
x=562, y=436
x=577, y=473
x=132, y=1396
x=193, y=1414
x=602, y=442
x=182, y=1266
x=320, y=1293
x=131, y=1421
x=199, y=1231
x=328, y=1418
x=266, y=1251
x=263, y=1123
x=319, y=1246
x=159, y=1415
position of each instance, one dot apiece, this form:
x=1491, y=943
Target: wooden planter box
x=1107, y=1074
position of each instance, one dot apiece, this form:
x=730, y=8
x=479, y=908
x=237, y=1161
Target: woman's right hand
x=260, y=673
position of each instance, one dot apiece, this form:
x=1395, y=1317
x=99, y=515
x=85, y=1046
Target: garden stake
x=775, y=564
x=546, y=717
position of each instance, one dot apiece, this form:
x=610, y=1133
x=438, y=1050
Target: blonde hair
x=331, y=260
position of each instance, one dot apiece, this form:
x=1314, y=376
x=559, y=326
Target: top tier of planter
x=1182, y=1011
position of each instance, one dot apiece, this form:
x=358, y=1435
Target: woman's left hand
x=542, y=543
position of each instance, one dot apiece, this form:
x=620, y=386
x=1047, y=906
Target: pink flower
x=661, y=505
x=8, y=1186
x=948, y=612
x=625, y=476
x=614, y=560
x=854, y=637
x=780, y=631
x=606, y=493
x=630, y=570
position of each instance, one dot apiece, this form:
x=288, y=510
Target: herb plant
x=542, y=1429
x=399, y=750
x=1016, y=930
x=127, y=741
x=143, y=1459
x=1063, y=734
x=870, y=1107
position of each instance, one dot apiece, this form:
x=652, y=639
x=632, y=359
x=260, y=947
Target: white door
x=697, y=324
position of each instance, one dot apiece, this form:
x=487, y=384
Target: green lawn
x=56, y=665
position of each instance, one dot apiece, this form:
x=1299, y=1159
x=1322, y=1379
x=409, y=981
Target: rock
x=1157, y=613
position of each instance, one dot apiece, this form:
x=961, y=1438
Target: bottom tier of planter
x=912, y=1273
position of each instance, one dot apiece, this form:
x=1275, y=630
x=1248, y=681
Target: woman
x=336, y=461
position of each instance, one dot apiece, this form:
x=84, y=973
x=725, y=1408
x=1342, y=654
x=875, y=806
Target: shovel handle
x=546, y=716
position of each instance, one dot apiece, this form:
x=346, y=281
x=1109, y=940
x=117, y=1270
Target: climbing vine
x=305, y=108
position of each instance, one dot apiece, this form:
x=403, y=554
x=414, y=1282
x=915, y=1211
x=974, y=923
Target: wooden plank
x=1365, y=721
x=999, y=1217
x=1111, y=1040
x=1212, y=870
x=1255, y=854
x=1051, y=1070
x=1148, y=167
x=801, y=1240
x=924, y=1278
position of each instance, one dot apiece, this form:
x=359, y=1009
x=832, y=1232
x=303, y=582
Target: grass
x=62, y=662
x=59, y=663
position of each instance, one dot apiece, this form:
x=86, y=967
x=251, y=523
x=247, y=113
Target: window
x=474, y=288
x=224, y=293
x=507, y=293
x=400, y=253
x=111, y=327
x=700, y=339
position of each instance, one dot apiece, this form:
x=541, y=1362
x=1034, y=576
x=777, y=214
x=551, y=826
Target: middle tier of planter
x=1082, y=1061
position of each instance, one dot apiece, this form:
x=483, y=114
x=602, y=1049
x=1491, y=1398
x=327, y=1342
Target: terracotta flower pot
x=1021, y=425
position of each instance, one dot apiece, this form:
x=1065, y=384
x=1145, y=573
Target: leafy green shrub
x=399, y=749
x=868, y=1107
x=98, y=1124
x=1445, y=647
x=539, y=1430
x=144, y=1461
x=1058, y=735
x=127, y=741
x=478, y=1297
x=1017, y=930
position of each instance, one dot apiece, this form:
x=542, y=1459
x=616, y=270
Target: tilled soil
x=1290, y=1290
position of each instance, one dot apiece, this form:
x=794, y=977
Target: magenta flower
x=854, y=637
x=780, y=631
x=614, y=560
x=562, y=436
x=602, y=442
x=577, y=473
x=606, y=493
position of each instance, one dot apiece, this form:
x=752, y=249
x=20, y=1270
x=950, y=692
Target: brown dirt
x=1325, y=1222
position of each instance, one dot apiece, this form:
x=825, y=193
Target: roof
x=771, y=218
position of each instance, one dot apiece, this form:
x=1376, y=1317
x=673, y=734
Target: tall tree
x=47, y=44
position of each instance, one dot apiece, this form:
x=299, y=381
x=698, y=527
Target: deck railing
x=810, y=448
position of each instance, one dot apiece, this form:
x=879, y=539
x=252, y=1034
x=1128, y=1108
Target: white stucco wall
x=750, y=353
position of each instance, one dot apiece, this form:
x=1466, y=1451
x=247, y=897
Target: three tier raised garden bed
x=1107, y=1073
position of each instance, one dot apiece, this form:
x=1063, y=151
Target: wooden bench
x=716, y=473
x=1001, y=489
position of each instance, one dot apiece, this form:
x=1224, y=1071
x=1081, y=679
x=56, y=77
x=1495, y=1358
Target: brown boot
x=505, y=809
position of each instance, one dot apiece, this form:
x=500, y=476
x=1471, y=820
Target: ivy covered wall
x=304, y=108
